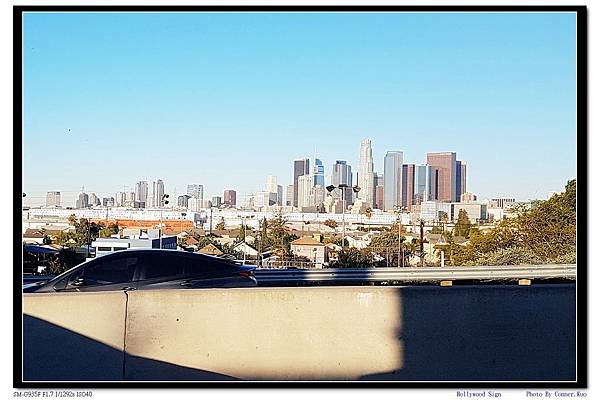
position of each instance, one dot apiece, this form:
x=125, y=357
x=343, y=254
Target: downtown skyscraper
x=392, y=180
x=319, y=173
x=445, y=163
x=141, y=192
x=366, y=177
x=342, y=175
x=301, y=167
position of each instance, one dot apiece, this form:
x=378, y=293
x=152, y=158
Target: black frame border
x=582, y=164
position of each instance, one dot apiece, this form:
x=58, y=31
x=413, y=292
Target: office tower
x=279, y=195
x=379, y=191
x=82, y=201
x=445, y=163
x=408, y=185
x=342, y=174
x=425, y=183
x=216, y=201
x=461, y=178
x=319, y=173
x=271, y=185
x=467, y=197
x=151, y=198
x=392, y=180
x=196, y=191
x=365, y=173
x=229, y=197
x=53, y=199
x=94, y=200
x=159, y=193
x=289, y=195
x=305, y=186
x=141, y=191
x=502, y=202
x=301, y=167
x=120, y=199
x=182, y=201
x=195, y=204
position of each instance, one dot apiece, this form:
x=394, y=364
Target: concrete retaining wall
x=314, y=333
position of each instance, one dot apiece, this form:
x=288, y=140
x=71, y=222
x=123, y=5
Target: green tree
x=221, y=225
x=330, y=223
x=109, y=230
x=280, y=235
x=543, y=233
x=85, y=231
x=352, y=258
x=387, y=247
x=463, y=224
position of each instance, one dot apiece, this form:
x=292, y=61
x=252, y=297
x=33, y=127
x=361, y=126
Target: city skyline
x=229, y=98
x=301, y=167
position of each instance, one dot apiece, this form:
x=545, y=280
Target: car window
x=207, y=266
x=162, y=265
x=105, y=271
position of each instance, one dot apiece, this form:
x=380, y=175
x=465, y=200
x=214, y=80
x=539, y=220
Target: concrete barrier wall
x=73, y=336
x=328, y=333
x=274, y=334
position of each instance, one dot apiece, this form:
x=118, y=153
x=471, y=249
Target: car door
x=161, y=270
x=111, y=272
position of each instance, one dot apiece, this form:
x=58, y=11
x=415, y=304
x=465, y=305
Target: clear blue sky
x=226, y=99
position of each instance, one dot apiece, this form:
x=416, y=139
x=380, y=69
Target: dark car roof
x=209, y=260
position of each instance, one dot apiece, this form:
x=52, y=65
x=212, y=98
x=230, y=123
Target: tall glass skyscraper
x=392, y=180
x=342, y=174
x=319, y=173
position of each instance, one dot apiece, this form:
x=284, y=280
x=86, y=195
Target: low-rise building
x=103, y=246
x=308, y=247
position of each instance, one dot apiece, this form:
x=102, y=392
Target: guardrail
x=566, y=271
x=407, y=274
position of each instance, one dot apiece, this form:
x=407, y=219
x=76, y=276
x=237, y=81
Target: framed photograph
x=300, y=196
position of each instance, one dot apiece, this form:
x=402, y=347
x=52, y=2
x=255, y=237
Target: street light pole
x=343, y=219
x=163, y=202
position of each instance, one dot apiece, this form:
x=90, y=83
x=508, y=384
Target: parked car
x=148, y=269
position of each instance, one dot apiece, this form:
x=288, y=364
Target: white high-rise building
x=273, y=187
x=271, y=184
x=53, y=199
x=120, y=199
x=194, y=204
x=151, y=197
x=305, y=191
x=94, y=200
x=366, y=176
x=196, y=191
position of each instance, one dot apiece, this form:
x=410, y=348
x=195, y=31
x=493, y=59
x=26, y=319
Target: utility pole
x=422, y=225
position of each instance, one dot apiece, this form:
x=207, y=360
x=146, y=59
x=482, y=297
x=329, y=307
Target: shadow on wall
x=481, y=333
x=78, y=358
